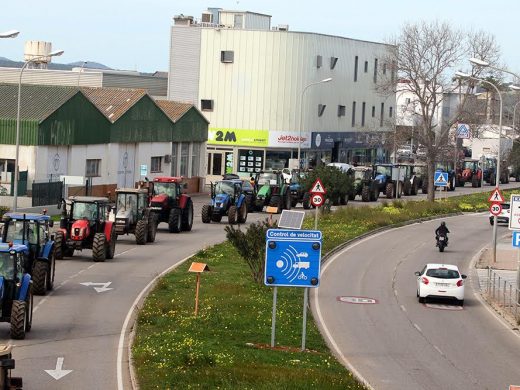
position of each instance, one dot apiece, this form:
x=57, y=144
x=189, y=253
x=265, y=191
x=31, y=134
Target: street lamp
x=497, y=175
x=17, y=153
x=301, y=115
x=10, y=34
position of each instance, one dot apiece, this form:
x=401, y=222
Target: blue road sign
x=463, y=131
x=292, y=258
x=516, y=238
x=440, y=179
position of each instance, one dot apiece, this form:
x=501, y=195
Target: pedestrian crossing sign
x=440, y=179
x=463, y=131
x=496, y=197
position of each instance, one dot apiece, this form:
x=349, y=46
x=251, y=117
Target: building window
x=375, y=70
x=206, y=105
x=355, y=68
x=93, y=168
x=384, y=68
x=227, y=56
x=185, y=154
x=156, y=164
x=390, y=112
x=353, y=114
x=341, y=111
x=394, y=66
x=382, y=114
x=195, y=157
x=174, y=165
x=407, y=101
x=363, y=107
x=321, y=109
x=373, y=111
x=333, y=61
x=366, y=66
x=239, y=21
x=319, y=61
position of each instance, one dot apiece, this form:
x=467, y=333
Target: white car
x=503, y=216
x=440, y=281
x=341, y=166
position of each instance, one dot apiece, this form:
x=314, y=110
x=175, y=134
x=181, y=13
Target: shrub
x=3, y=210
x=337, y=183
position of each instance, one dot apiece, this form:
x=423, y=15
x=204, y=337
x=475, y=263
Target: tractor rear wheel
x=306, y=201
x=276, y=201
x=18, y=320
x=232, y=215
x=152, y=228
x=111, y=247
x=141, y=232
x=187, y=216
x=58, y=245
x=389, y=190
x=39, y=277
x=474, y=181
x=174, y=221
x=407, y=188
x=206, y=213
x=414, y=188
x=98, y=247
x=242, y=213
x=365, y=194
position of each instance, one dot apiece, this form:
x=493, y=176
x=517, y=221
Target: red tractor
x=170, y=205
x=84, y=224
x=470, y=173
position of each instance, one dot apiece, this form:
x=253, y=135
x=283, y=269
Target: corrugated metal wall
x=191, y=127
x=144, y=122
x=183, y=82
x=156, y=86
x=51, y=77
x=28, y=132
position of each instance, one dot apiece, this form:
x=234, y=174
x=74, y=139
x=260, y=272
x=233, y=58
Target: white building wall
x=28, y=160
x=144, y=153
x=262, y=89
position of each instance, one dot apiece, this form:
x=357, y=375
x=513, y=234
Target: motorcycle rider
x=442, y=231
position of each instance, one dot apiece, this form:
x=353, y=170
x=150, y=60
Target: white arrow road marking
x=104, y=286
x=58, y=373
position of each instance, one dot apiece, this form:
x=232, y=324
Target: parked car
x=503, y=216
x=440, y=281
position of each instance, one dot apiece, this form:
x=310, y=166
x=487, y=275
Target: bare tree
x=425, y=58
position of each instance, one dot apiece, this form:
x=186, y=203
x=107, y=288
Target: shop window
x=206, y=104
x=250, y=161
x=342, y=110
x=92, y=168
x=195, y=157
x=185, y=154
x=156, y=164
x=227, y=56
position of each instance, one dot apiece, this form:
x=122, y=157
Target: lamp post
x=17, y=152
x=514, y=115
x=301, y=115
x=10, y=34
x=81, y=71
x=497, y=176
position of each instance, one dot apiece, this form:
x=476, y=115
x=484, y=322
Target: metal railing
x=504, y=294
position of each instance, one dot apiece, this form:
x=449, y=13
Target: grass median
x=227, y=345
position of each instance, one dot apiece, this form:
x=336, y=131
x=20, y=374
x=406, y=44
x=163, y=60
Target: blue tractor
x=32, y=230
x=227, y=198
x=16, y=301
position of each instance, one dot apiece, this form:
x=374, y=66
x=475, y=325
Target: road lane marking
x=58, y=372
x=417, y=327
x=403, y=308
x=438, y=350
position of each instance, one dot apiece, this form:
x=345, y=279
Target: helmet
x=443, y=223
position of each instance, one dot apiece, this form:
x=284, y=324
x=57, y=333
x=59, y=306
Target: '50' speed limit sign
x=317, y=200
x=495, y=208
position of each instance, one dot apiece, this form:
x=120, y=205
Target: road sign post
x=292, y=259
x=318, y=192
x=516, y=243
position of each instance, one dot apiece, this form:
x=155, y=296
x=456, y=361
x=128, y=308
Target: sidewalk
x=505, y=268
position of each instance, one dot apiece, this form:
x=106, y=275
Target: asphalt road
x=79, y=329
x=398, y=343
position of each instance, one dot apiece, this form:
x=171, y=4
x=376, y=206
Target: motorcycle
x=442, y=242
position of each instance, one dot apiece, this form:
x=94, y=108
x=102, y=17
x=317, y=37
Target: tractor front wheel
x=474, y=181
x=58, y=245
x=152, y=228
x=39, y=277
x=242, y=213
x=111, y=248
x=18, y=320
x=52, y=272
x=232, y=215
x=29, y=303
x=365, y=194
x=141, y=232
x=98, y=247
x=389, y=190
x=206, y=213
x=174, y=221
x=187, y=216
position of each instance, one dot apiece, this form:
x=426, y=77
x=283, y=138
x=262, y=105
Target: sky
x=134, y=35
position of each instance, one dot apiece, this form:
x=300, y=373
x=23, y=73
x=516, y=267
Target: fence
x=46, y=193
x=504, y=294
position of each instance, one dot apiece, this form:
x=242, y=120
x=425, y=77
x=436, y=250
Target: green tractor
x=272, y=190
x=364, y=185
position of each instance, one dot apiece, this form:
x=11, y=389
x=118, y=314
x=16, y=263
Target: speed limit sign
x=317, y=200
x=495, y=208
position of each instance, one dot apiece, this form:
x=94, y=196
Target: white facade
x=257, y=88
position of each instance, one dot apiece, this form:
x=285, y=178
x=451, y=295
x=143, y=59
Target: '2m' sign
x=228, y=136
